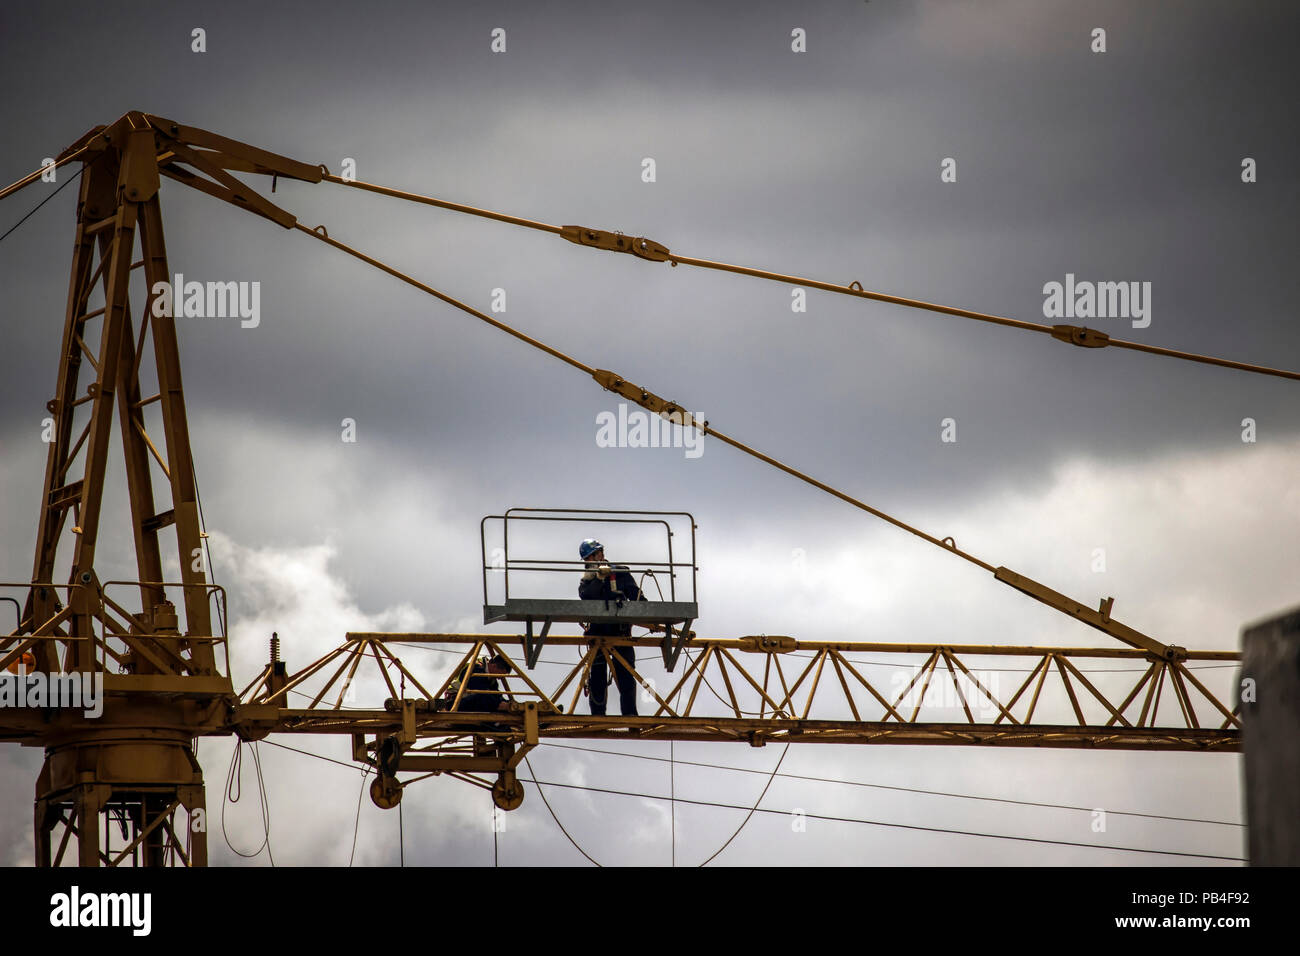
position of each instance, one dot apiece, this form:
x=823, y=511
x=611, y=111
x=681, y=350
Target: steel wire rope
x=756, y=809
x=39, y=173
x=853, y=289
x=882, y=786
x=322, y=236
x=234, y=790
x=813, y=816
x=902, y=826
x=610, y=381
x=308, y=753
x=207, y=546
x=745, y=713
x=65, y=183
x=672, y=792
x=356, y=825
x=749, y=816
x=557, y=354
x=672, y=775
x=549, y=810
x=847, y=783
x=320, y=233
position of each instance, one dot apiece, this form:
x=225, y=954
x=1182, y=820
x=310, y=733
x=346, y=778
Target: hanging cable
x=266, y=804
x=232, y=793
x=753, y=810
x=356, y=825
x=203, y=534
x=743, y=713
x=881, y=786
x=813, y=816
x=672, y=793
x=308, y=753
x=554, y=817
x=900, y=826
x=29, y=215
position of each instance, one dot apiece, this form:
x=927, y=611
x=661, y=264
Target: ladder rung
x=101, y=225
x=159, y=521
x=65, y=496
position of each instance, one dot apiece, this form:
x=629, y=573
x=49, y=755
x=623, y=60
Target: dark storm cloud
x=1068, y=162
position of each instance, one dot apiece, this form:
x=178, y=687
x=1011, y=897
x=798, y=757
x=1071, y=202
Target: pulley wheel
x=385, y=792
x=508, y=796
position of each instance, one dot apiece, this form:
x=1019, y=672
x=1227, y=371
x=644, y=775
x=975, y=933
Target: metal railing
x=114, y=621
x=588, y=518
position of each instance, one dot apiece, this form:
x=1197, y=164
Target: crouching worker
x=482, y=690
x=603, y=582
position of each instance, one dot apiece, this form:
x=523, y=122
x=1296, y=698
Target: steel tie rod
x=657, y=252
x=675, y=413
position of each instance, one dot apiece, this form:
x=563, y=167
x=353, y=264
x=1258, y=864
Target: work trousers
x=598, y=683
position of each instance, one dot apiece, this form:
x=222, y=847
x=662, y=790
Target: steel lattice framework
x=741, y=691
x=159, y=647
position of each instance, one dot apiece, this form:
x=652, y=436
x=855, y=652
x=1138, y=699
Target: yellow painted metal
x=827, y=712
x=158, y=658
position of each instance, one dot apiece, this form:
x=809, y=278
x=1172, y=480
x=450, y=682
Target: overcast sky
x=1123, y=165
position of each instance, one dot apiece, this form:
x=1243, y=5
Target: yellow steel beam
x=753, y=643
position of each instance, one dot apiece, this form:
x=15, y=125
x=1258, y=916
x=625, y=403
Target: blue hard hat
x=589, y=547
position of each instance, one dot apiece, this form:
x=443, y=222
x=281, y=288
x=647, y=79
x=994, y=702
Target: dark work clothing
x=601, y=589
x=598, y=686
x=480, y=680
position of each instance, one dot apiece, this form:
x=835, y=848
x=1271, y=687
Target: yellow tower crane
x=158, y=648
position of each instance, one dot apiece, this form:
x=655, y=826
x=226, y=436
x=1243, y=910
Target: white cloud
x=1197, y=545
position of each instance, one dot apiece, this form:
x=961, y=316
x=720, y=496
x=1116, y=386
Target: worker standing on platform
x=604, y=582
